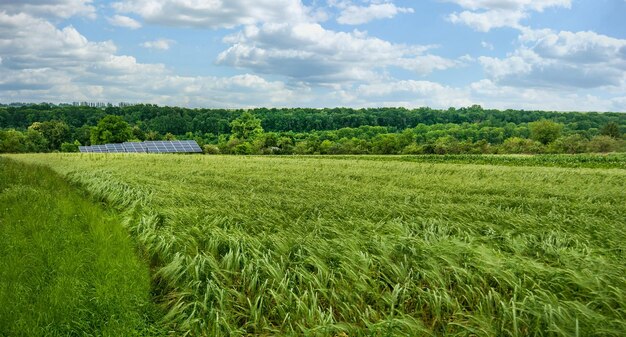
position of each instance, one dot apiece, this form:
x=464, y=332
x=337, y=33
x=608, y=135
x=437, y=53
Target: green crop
x=67, y=266
x=319, y=246
x=613, y=160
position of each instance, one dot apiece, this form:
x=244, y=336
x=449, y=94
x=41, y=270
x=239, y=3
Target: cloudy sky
x=523, y=54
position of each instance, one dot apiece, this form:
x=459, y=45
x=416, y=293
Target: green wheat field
x=120, y=245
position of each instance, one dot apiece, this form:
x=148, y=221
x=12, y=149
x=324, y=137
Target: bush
x=210, y=149
x=604, y=144
x=70, y=147
x=521, y=145
x=413, y=149
x=545, y=131
x=243, y=148
x=570, y=144
x=447, y=145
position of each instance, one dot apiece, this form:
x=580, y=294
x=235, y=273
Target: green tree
x=70, y=147
x=111, y=129
x=389, y=143
x=35, y=141
x=521, y=145
x=211, y=149
x=243, y=148
x=247, y=127
x=138, y=133
x=82, y=134
x=603, y=144
x=570, y=144
x=611, y=129
x=12, y=141
x=55, y=132
x=447, y=145
x=545, y=131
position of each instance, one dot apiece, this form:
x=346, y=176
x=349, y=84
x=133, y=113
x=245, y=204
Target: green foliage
x=34, y=141
x=611, y=129
x=111, y=129
x=545, y=131
x=67, y=267
x=380, y=246
x=247, y=127
x=210, y=149
x=570, y=144
x=521, y=145
x=604, y=161
x=243, y=148
x=55, y=132
x=302, y=131
x=604, y=144
x=70, y=147
x=447, y=145
x=12, y=141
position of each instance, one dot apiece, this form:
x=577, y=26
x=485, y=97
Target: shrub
x=570, y=144
x=211, y=149
x=521, y=145
x=70, y=147
x=603, y=144
x=545, y=131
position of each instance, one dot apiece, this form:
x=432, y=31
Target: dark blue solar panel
x=115, y=148
x=152, y=146
x=99, y=148
x=134, y=147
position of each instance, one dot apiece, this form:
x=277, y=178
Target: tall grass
x=67, y=267
x=320, y=247
x=611, y=160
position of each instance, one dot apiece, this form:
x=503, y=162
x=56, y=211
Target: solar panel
x=151, y=146
x=114, y=148
x=99, y=148
x=134, y=147
x=191, y=146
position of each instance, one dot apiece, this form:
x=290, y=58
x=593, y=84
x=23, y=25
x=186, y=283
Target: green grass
x=319, y=246
x=612, y=160
x=67, y=266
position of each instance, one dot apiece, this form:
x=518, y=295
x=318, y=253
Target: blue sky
x=520, y=54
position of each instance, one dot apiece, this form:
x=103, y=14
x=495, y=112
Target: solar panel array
x=134, y=147
x=167, y=146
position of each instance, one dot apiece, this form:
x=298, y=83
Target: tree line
x=45, y=128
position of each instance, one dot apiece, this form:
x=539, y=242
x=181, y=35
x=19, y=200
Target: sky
x=564, y=55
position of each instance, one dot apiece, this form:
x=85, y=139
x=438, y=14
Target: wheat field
x=341, y=246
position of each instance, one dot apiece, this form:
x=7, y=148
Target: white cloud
x=50, y=8
x=310, y=53
x=124, y=21
x=214, y=13
x=411, y=93
x=549, y=70
x=161, y=44
x=495, y=95
x=535, y=5
x=486, y=45
x=44, y=63
x=356, y=15
x=485, y=21
x=484, y=15
x=42, y=45
x=564, y=59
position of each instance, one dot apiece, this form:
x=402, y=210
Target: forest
x=468, y=130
